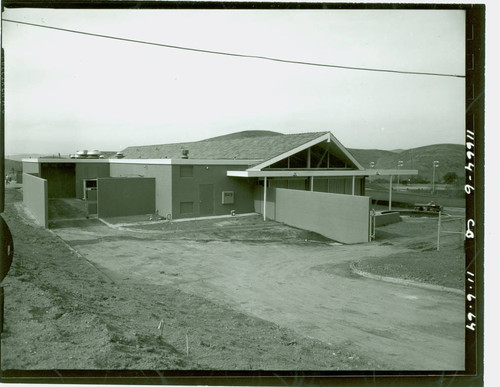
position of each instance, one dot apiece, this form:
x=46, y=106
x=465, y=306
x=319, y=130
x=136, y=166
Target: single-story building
x=307, y=180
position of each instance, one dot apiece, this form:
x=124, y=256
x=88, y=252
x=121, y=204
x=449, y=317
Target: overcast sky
x=66, y=92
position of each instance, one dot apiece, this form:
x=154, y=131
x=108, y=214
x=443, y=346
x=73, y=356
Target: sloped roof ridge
x=230, y=139
x=245, y=148
x=265, y=136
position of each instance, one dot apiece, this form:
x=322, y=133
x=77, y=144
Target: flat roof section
x=144, y=161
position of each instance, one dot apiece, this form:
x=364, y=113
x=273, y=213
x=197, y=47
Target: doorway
x=206, y=199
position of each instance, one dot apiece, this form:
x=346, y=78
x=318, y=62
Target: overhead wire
x=235, y=54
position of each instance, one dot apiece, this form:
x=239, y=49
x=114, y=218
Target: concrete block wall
x=163, y=186
x=344, y=218
x=125, y=196
x=384, y=218
x=33, y=168
x=188, y=189
x=36, y=198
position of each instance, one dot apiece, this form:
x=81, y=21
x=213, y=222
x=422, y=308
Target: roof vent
x=93, y=154
x=81, y=154
x=185, y=154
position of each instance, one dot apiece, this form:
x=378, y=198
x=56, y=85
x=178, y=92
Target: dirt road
x=307, y=287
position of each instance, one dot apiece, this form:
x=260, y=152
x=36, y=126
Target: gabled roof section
x=334, y=146
x=259, y=148
x=344, y=151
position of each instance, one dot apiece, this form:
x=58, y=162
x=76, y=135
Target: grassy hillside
x=245, y=134
x=451, y=158
x=366, y=156
x=13, y=165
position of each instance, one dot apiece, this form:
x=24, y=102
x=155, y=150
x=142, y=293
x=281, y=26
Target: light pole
x=400, y=164
x=435, y=165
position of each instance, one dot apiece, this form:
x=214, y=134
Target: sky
x=66, y=92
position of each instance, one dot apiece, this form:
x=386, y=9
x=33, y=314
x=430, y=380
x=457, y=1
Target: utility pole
x=435, y=165
x=400, y=164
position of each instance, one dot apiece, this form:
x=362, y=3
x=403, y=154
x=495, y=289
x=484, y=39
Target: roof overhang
x=324, y=173
x=184, y=161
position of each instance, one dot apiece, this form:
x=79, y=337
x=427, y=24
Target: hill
x=13, y=165
x=366, y=156
x=451, y=158
x=19, y=157
x=245, y=134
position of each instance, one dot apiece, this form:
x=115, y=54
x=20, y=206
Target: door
x=206, y=199
x=60, y=178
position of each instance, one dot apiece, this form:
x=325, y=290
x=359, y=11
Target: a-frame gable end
x=346, y=152
x=297, y=157
x=291, y=152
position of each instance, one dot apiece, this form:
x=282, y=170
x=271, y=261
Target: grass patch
x=444, y=268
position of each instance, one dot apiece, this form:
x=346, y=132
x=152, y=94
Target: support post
x=353, y=184
x=439, y=229
x=265, y=198
x=312, y=183
x=370, y=227
x=390, y=193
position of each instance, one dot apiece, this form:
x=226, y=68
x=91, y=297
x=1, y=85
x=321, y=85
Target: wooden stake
x=160, y=328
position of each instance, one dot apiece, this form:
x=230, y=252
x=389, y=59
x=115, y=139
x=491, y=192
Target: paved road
x=308, y=288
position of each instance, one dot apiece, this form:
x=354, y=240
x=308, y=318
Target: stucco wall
x=163, y=176
x=35, y=198
x=270, y=202
x=88, y=171
x=344, y=218
x=125, y=196
x=187, y=190
x=31, y=168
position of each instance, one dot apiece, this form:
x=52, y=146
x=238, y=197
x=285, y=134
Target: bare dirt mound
x=63, y=313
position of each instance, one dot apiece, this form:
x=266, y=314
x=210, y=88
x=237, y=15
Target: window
x=186, y=171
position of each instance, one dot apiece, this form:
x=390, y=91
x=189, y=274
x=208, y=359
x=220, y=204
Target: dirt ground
x=233, y=293
x=423, y=262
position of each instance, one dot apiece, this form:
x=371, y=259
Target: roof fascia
x=325, y=173
x=308, y=144
x=64, y=161
x=183, y=161
x=143, y=161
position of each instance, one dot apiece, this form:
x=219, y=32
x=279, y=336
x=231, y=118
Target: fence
x=450, y=224
x=35, y=198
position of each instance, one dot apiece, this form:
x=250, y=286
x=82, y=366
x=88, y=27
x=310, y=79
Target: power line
x=233, y=54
